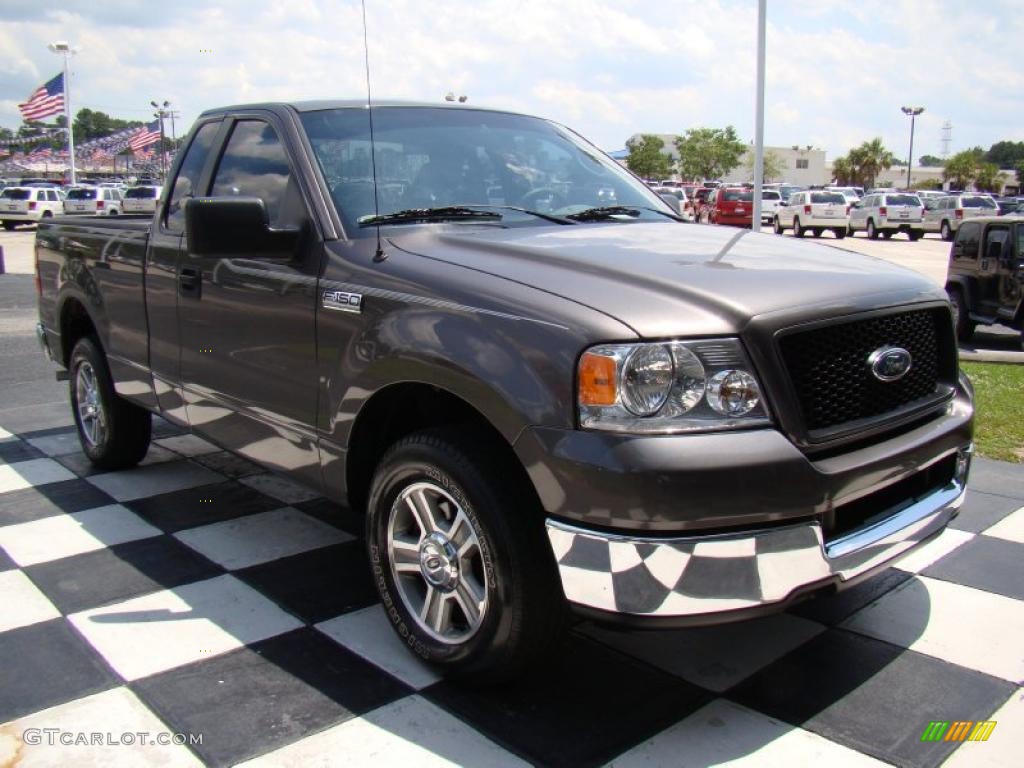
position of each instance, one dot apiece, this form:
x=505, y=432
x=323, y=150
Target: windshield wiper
x=603, y=213
x=546, y=216
x=442, y=213
x=608, y=212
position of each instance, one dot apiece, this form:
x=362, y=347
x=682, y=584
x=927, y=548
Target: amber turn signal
x=598, y=384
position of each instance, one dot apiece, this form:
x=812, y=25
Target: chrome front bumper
x=714, y=575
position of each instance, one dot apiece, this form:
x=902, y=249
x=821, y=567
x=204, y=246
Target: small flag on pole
x=146, y=135
x=48, y=99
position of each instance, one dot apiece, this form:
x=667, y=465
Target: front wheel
x=945, y=232
x=10, y=225
x=817, y=231
x=798, y=229
x=872, y=232
x=961, y=318
x=777, y=226
x=915, y=235
x=460, y=558
x=113, y=432
x=839, y=233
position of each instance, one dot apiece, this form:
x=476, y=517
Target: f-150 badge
x=343, y=302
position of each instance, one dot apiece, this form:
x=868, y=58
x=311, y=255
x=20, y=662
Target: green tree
x=647, y=159
x=987, y=179
x=773, y=165
x=929, y=161
x=92, y=124
x=1006, y=154
x=1020, y=173
x=869, y=160
x=929, y=184
x=843, y=171
x=961, y=169
x=709, y=153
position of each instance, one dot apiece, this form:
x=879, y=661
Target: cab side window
x=185, y=182
x=255, y=164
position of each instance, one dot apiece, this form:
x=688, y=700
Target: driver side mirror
x=235, y=226
x=672, y=200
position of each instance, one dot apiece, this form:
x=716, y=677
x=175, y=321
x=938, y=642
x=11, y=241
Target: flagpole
x=66, y=50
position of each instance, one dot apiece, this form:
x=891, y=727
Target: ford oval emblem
x=890, y=363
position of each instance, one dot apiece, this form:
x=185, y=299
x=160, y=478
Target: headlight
x=676, y=386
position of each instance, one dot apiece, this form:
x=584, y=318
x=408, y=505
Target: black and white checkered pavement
x=199, y=595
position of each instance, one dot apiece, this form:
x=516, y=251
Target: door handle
x=190, y=281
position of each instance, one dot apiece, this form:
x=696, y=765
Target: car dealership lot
x=200, y=595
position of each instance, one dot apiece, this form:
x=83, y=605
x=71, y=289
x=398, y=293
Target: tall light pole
x=759, y=117
x=63, y=47
x=913, y=112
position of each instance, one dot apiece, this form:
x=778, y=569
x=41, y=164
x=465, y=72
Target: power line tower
x=947, y=138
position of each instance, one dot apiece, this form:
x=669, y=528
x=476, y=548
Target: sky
x=837, y=71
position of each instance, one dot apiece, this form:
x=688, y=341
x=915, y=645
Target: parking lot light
x=912, y=112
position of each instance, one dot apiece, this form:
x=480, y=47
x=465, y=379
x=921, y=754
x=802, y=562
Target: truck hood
x=662, y=279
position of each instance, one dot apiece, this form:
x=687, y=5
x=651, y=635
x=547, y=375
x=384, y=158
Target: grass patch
x=999, y=403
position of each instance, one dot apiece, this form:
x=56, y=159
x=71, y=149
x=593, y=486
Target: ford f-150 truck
x=542, y=388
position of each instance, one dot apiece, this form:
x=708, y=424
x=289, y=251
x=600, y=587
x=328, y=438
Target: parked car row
x=31, y=203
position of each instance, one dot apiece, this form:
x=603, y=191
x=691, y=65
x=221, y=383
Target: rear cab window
x=913, y=200
x=736, y=195
x=15, y=194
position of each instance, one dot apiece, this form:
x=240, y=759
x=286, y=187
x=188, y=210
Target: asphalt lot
x=199, y=595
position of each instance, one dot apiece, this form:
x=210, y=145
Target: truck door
x=993, y=247
x=162, y=278
x=1011, y=275
x=248, y=351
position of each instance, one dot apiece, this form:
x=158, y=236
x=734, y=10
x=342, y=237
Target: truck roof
x=321, y=104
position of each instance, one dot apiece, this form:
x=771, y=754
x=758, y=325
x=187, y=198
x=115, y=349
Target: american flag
x=146, y=135
x=47, y=100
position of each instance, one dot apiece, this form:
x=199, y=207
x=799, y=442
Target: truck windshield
x=430, y=157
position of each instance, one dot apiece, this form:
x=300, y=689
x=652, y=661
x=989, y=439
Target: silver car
x=946, y=214
x=886, y=213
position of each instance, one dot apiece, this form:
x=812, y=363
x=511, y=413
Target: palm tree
x=870, y=159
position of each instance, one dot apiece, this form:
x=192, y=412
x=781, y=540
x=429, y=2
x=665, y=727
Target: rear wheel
x=10, y=225
x=777, y=226
x=798, y=230
x=872, y=232
x=839, y=233
x=945, y=232
x=460, y=558
x=114, y=433
x=961, y=319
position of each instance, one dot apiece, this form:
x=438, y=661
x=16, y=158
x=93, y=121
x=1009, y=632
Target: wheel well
x=75, y=324
x=401, y=409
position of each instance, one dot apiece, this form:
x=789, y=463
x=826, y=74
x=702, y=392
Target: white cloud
x=837, y=71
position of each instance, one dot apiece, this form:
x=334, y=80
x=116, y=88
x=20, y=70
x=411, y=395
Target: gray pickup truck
x=543, y=389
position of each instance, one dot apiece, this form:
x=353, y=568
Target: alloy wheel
x=91, y=413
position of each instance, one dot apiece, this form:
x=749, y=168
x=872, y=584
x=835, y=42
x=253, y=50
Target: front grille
x=833, y=382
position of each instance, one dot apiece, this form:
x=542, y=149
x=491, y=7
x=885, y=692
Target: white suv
x=93, y=201
x=771, y=199
x=141, y=199
x=886, y=213
x=946, y=214
x=814, y=210
x=25, y=205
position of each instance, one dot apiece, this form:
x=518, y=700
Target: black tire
x=10, y=225
x=817, y=231
x=887, y=234
x=122, y=437
x=961, y=320
x=798, y=230
x=47, y=214
x=945, y=232
x=777, y=226
x=872, y=232
x=523, y=614
x=915, y=235
x=839, y=233
x=849, y=230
